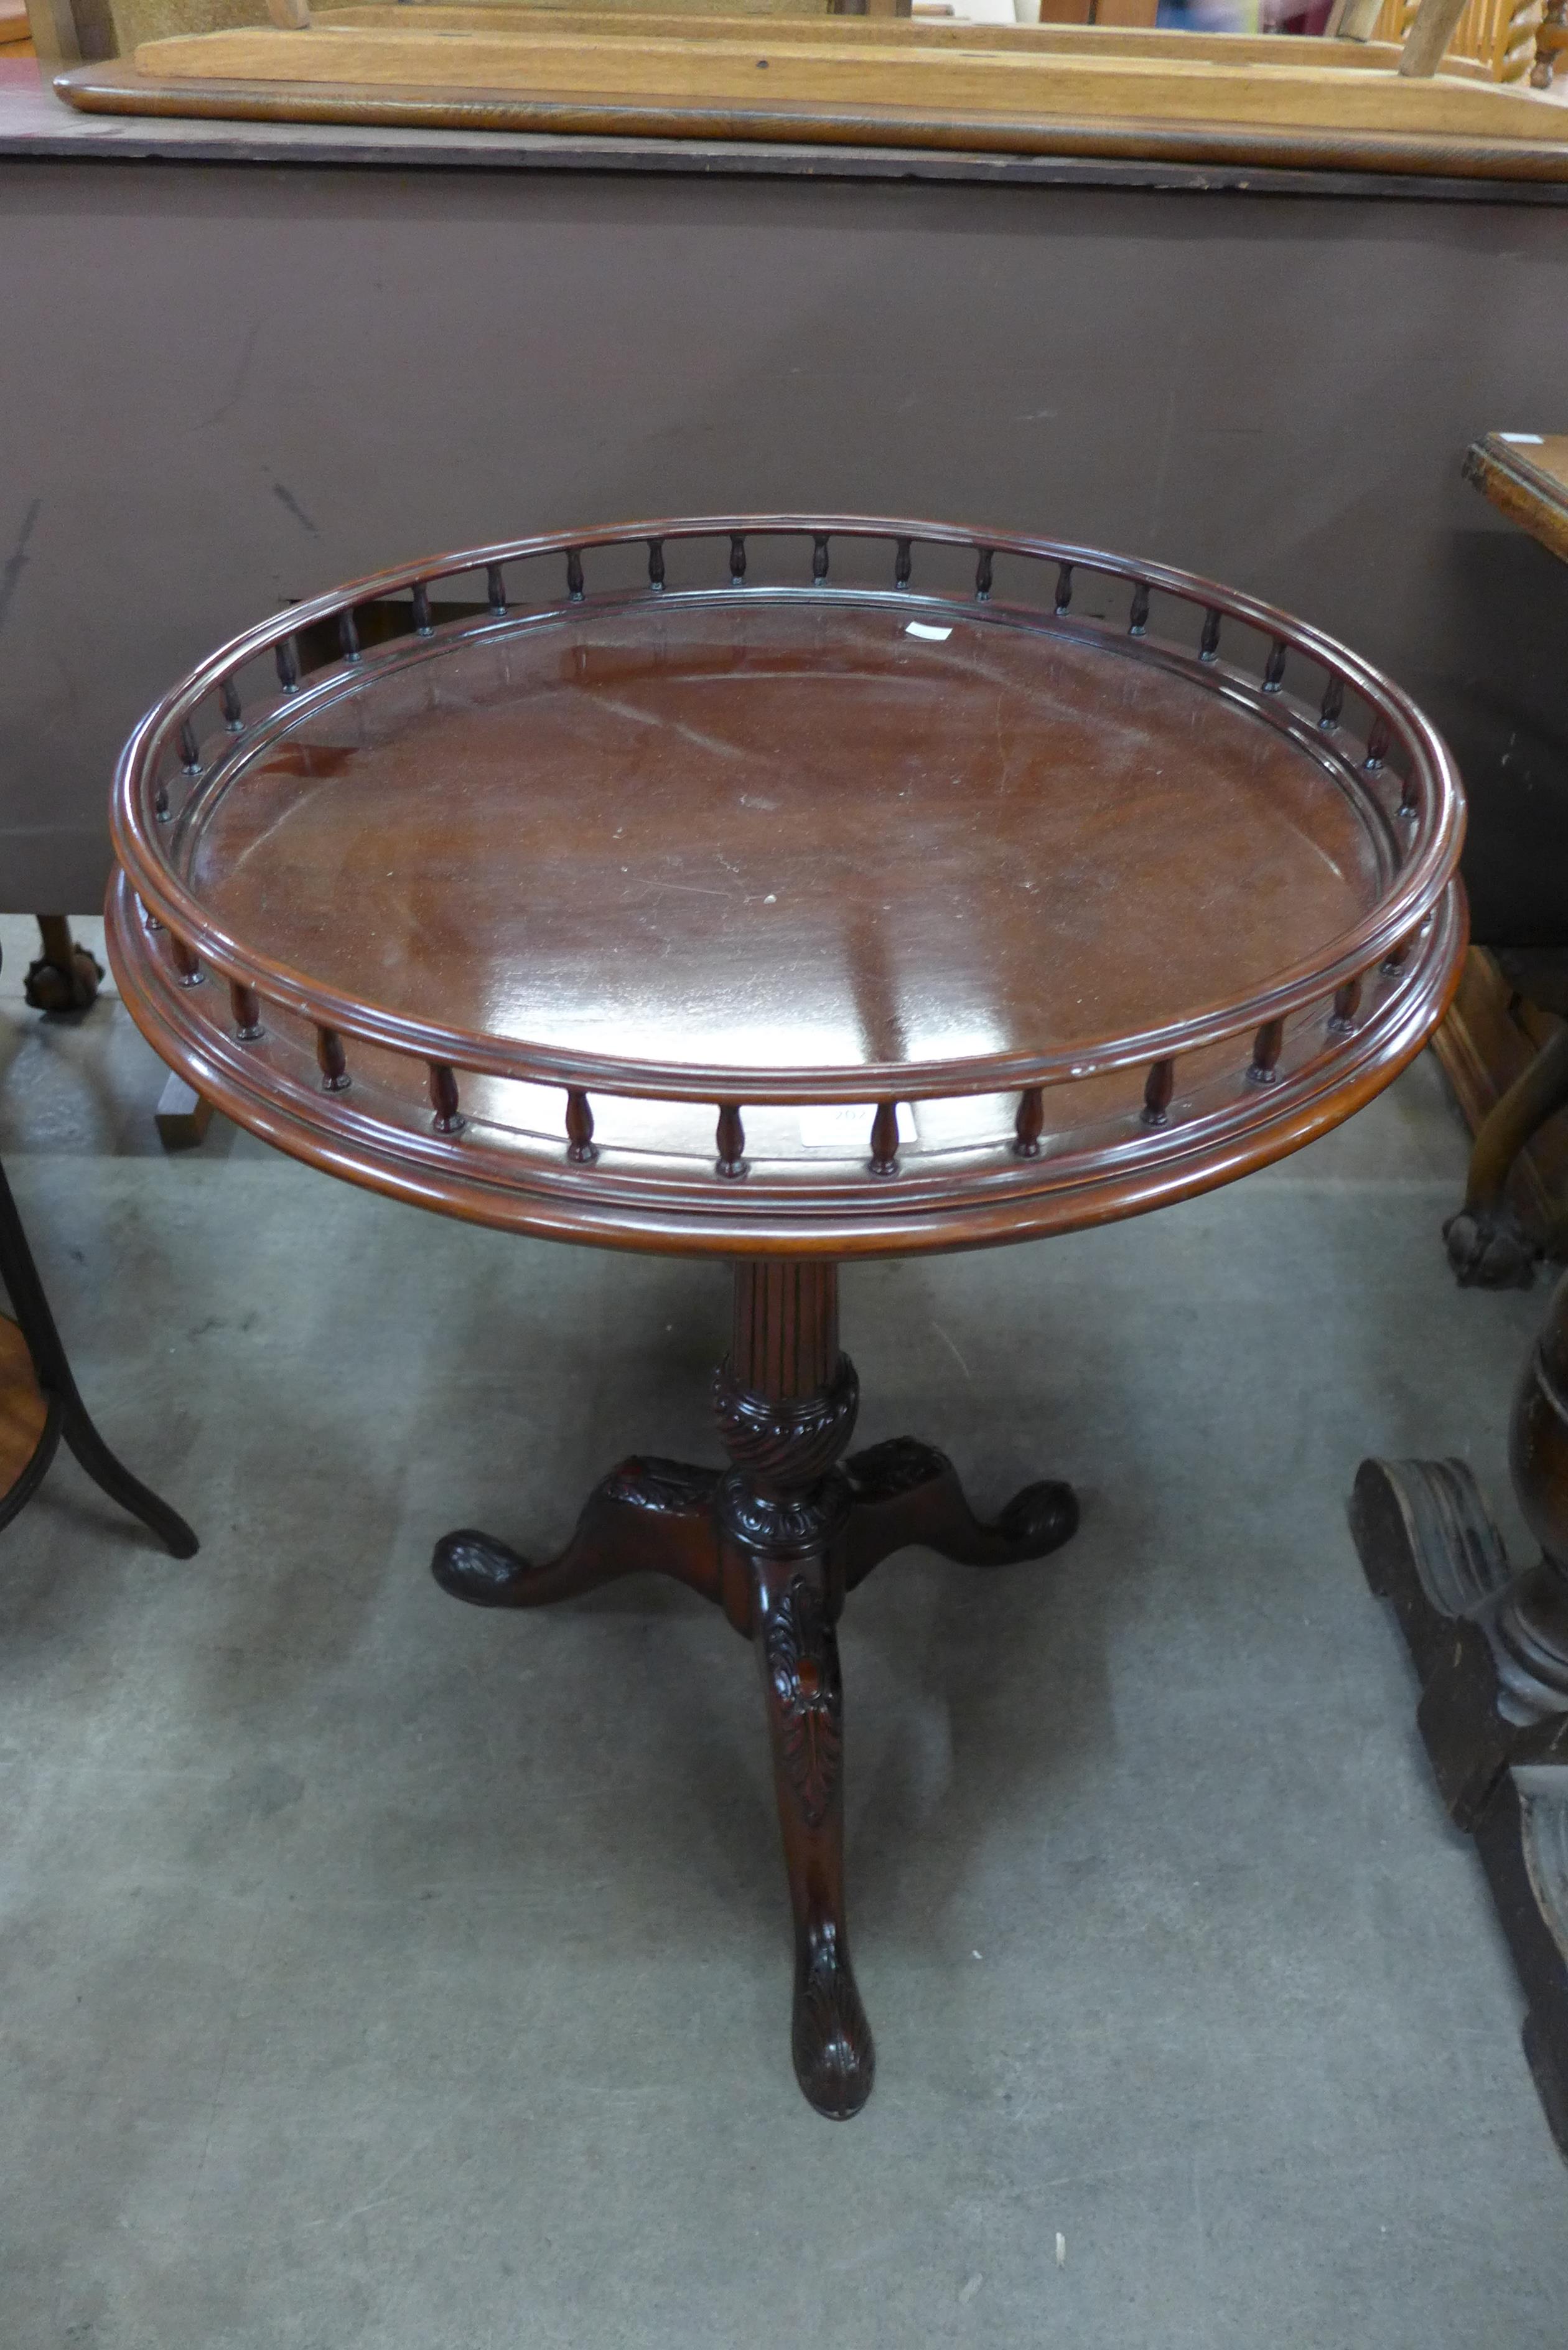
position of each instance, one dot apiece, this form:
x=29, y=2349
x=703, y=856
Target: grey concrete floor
x=377, y=1972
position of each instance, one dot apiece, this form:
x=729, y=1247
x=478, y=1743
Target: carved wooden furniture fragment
x=1550, y=41
x=787, y=890
x=1525, y=475
x=1489, y=1643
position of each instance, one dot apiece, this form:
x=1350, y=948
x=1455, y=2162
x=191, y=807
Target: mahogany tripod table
x=787, y=890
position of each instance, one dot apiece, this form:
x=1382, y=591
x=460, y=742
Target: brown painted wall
x=224, y=385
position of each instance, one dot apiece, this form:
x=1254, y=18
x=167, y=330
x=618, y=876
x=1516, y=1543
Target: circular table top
x=606, y=886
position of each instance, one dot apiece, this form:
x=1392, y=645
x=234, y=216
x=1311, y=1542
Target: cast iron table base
x=777, y=1540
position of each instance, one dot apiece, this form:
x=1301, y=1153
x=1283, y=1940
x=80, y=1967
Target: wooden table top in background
x=1525, y=475
x=35, y=125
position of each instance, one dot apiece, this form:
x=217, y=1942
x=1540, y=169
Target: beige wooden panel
x=745, y=74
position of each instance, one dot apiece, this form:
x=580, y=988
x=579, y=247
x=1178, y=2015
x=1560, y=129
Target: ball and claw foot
x=65, y=977
x=1489, y=1248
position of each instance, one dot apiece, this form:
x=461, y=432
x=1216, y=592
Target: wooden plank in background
x=182, y=1116
x=1067, y=35
x=1526, y=479
x=748, y=73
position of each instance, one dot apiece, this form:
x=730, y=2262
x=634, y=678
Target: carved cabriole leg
x=776, y=1541
x=906, y=1492
x=647, y=1516
x=785, y=1401
x=1491, y=1647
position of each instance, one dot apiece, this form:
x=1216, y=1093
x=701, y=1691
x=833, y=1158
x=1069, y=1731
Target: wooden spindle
x=1209, y=643
x=246, y=1004
x=1029, y=1122
x=1267, y=1045
x=1376, y=746
x=1407, y=800
x=1063, y=588
x=818, y=560
x=185, y=961
x=1394, y=961
x=160, y=808
x=575, y=574
x=1273, y=675
x=190, y=756
x=581, y=1148
x=423, y=624
x=449, y=1118
x=884, y=1159
x=229, y=701
x=331, y=1061
x=149, y=920
x=1158, y=1087
x=286, y=659
x=496, y=589
x=737, y=559
x=1346, y=1002
x=982, y=575
x=730, y=1140
x=1137, y=619
x=348, y=635
x=656, y=563
x=1333, y=710
x=904, y=562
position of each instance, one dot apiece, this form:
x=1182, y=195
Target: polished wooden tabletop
x=748, y=834
x=798, y=849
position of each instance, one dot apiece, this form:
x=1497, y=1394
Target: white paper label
x=1533, y=440
x=936, y=635
x=844, y=1125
